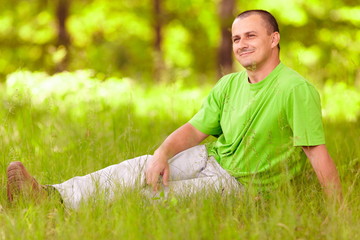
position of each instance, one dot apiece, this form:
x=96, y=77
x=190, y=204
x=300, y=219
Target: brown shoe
x=21, y=183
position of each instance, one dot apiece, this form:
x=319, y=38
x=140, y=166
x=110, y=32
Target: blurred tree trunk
x=158, y=55
x=225, y=59
x=63, y=43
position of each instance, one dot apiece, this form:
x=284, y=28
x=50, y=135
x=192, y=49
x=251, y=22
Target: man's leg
x=192, y=165
x=129, y=174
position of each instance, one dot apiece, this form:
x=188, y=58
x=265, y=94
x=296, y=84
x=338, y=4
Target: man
x=263, y=117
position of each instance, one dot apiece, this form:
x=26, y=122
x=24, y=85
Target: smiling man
x=267, y=120
x=256, y=44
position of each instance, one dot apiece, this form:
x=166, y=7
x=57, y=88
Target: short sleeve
x=304, y=116
x=207, y=120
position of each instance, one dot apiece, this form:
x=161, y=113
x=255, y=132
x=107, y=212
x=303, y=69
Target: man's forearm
x=325, y=170
x=330, y=180
x=181, y=139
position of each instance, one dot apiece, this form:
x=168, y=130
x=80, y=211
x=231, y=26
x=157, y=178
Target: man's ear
x=275, y=39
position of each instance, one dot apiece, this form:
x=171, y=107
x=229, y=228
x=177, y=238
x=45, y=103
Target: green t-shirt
x=261, y=126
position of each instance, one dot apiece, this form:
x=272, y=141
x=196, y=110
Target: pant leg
x=188, y=164
x=190, y=170
x=212, y=178
x=129, y=173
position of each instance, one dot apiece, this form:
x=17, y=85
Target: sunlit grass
x=56, y=144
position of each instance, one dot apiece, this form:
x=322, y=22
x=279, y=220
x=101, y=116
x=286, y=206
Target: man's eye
x=235, y=40
x=251, y=35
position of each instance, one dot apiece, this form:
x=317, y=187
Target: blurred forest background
x=158, y=40
x=93, y=50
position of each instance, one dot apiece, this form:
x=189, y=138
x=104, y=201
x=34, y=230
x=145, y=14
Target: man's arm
x=181, y=139
x=325, y=170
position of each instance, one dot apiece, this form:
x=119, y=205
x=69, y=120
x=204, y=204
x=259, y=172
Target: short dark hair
x=269, y=19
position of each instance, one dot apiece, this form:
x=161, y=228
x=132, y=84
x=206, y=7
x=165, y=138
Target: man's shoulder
x=231, y=78
x=234, y=75
x=289, y=78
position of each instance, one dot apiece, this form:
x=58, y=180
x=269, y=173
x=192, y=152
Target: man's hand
x=181, y=139
x=156, y=167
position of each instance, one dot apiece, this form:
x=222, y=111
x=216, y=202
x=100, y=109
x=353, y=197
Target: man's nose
x=242, y=43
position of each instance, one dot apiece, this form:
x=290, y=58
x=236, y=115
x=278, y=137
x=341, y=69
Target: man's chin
x=250, y=66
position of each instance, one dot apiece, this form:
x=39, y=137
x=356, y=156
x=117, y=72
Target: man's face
x=253, y=45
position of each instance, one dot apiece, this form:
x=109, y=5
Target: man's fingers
x=148, y=177
x=152, y=180
x=166, y=176
x=154, y=183
x=155, y=187
x=153, y=173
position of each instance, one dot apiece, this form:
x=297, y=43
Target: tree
x=63, y=43
x=225, y=48
x=158, y=24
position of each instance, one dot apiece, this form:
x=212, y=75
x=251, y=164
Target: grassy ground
x=56, y=146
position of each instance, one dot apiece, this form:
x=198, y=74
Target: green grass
x=55, y=146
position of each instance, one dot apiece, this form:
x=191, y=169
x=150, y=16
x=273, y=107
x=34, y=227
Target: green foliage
x=116, y=38
x=82, y=92
x=341, y=102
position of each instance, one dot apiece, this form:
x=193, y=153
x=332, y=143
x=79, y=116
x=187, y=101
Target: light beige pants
x=190, y=171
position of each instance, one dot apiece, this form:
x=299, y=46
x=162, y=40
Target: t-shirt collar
x=267, y=79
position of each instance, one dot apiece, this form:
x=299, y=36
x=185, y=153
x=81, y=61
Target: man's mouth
x=244, y=53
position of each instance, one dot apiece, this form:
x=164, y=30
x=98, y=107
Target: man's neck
x=258, y=74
